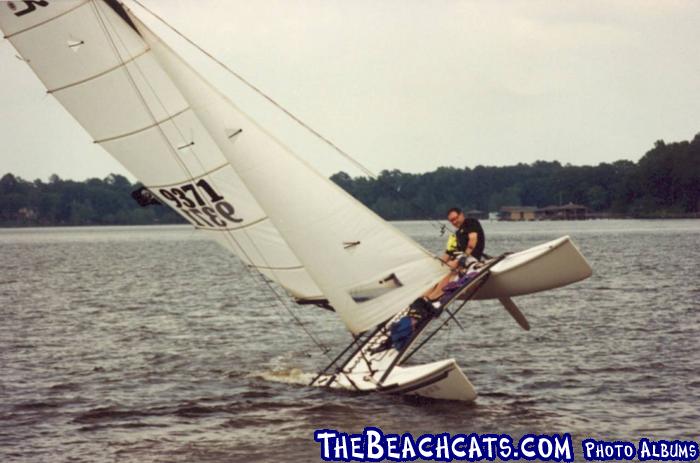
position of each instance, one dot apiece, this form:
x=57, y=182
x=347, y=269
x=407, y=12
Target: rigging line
x=430, y=254
x=263, y=94
x=101, y=21
x=229, y=236
x=233, y=240
x=257, y=90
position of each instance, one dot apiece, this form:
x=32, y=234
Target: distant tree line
x=665, y=182
x=66, y=202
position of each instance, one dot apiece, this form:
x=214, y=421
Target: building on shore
x=517, y=213
x=522, y=213
x=569, y=211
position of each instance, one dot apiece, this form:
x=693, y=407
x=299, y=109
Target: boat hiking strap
x=479, y=282
x=471, y=289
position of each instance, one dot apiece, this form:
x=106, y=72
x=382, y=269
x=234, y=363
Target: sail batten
x=134, y=132
x=221, y=171
x=314, y=216
x=140, y=117
x=98, y=75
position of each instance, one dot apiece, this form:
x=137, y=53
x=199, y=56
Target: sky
x=411, y=85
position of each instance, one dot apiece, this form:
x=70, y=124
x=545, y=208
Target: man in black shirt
x=468, y=239
x=464, y=245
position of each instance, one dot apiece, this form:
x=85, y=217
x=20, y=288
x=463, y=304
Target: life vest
x=451, y=246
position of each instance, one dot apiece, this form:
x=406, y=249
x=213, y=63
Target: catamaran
x=197, y=152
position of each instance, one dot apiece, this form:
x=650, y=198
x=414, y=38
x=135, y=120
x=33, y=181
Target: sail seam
x=396, y=231
x=190, y=176
x=242, y=227
x=47, y=20
x=103, y=22
x=184, y=167
x=142, y=129
x=88, y=79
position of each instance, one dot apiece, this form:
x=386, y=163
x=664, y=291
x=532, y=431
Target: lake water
x=152, y=344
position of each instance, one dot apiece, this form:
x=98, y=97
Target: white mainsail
x=365, y=267
x=105, y=75
x=221, y=171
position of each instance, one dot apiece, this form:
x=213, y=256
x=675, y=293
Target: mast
x=366, y=268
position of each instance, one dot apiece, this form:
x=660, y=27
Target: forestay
x=366, y=268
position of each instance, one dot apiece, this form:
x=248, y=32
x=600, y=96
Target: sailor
x=464, y=247
x=467, y=240
x=400, y=332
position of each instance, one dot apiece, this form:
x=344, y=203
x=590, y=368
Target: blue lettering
x=667, y=450
x=547, y=448
x=408, y=446
x=475, y=452
x=425, y=441
x=341, y=447
x=526, y=446
x=457, y=446
x=442, y=447
x=325, y=436
x=505, y=447
x=373, y=443
x=356, y=447
x=489, y=441
x=392, y=446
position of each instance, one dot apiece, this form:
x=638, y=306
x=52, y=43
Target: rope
x=101, y=20
x=262, y=94
x=436, y=224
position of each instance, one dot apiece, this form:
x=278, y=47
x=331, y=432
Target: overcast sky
x=414, y=85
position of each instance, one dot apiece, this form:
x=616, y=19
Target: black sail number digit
x=183, y=197
x=213, y=216
x=193, y=190
x=170, y=197
x=226, y=209
x=210, y=209
x=204, y=185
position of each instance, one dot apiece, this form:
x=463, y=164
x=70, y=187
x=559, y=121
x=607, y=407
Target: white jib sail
x=98, y=67
x=214, y=166
x=367, y=269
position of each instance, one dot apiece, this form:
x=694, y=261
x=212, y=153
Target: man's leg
x=437, y=290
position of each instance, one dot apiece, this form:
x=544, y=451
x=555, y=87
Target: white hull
x=546, y=266
x=438, y=380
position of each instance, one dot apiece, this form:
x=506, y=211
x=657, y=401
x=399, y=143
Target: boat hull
x=546, y=266
x=442, y=380
x=550, y=265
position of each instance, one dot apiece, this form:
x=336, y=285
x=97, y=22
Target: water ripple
x=150, y=344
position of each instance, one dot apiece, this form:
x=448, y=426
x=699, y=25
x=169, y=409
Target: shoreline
x=184, y=224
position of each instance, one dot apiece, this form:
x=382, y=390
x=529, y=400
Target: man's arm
x=471, y=244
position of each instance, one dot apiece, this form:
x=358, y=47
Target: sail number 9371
x=200, y=203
